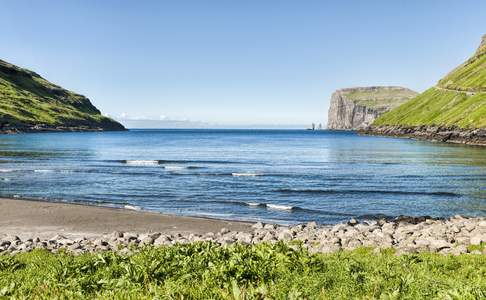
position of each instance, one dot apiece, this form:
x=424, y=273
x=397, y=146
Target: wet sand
x=46, y=219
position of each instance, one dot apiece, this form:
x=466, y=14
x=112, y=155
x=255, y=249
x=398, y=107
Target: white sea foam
x=6, y=170
x=279, y=207
x=253, y=204
x=43, y=171
x=132, y=207
x=5, y=179
x=174, y=168
x=142, y=162
x=248, y=174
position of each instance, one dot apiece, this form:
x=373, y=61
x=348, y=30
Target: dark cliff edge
x=453, y=111
x=29, y=103
x=445, y=134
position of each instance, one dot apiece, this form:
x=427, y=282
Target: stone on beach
x=405, y=234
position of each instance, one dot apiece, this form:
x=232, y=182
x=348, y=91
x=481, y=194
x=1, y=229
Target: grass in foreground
x=207, y=271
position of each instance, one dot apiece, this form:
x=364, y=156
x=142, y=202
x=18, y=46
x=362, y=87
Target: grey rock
x=269, y=227
x=477, y=239
x=347, y=111
x=117, y=234
x=258, y=225
x=162, y=240
x=311, y=225
x=285, y=235
x=437, y=245
x=147, y=241
x=461, y=249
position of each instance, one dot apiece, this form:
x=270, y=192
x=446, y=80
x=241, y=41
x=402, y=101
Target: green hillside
x=27, y=100
x=379, y=97
x=459, y=99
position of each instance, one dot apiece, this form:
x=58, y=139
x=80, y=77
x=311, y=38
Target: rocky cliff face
x=355, y=108
x=29, y=103
x=482, y=46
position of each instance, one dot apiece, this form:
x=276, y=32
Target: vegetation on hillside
x=264, y=271
x=376, y=97
x=471, y=76
x=439, y=107
x=27, y=99
x=459, y=99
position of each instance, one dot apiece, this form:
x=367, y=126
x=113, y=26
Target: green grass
x=459, y=99
x=471, y=76
x=439, y=107
x=27, y=99
x=479, y=247
x=379, y=97
x=207, y=271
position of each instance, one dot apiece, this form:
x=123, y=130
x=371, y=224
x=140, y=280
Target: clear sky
x=236, y=62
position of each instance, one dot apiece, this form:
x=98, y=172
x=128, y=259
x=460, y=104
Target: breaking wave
x=279, y=207
x=132, y=207
x=246, y=174
x=142, y=162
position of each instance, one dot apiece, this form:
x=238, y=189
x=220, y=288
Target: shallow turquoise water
x=273, y=175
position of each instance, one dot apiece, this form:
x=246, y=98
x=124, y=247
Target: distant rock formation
x=355, y=108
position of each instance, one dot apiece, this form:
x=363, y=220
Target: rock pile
x=455, y=236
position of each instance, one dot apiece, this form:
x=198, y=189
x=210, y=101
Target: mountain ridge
x=454, y=110
x=30, y=103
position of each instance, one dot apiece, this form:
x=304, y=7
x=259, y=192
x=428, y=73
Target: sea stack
x=356, y=108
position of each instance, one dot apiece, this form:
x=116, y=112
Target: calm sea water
x=271, y=175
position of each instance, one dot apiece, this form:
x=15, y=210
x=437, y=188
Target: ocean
x=281, y=176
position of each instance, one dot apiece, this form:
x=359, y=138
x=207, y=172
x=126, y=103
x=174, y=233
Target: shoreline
x=45, y=218
x=26, y=225
x=438, y=134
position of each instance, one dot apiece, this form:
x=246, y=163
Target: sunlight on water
x=284, y=176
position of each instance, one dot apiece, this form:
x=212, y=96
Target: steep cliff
x=29, y=103
x=452, y=111
x=354, y=108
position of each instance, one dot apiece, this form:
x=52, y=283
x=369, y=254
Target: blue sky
x=236, y=62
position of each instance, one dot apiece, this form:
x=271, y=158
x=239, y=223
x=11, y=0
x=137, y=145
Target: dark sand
x=46, y=219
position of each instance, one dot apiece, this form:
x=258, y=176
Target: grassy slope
x=28, y=99
x=206, y=271
x=439, y=107
x=459, y=99
x=379, y=97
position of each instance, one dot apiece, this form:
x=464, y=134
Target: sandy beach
x=46, y=219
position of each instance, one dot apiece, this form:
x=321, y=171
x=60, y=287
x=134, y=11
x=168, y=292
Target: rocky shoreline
x=456, y=235
x=445, y=134
x=7, y=129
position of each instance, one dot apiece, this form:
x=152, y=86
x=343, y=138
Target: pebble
x=405, y=234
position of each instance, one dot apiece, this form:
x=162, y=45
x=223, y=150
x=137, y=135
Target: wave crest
x=142, y=162
x=246, y=174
